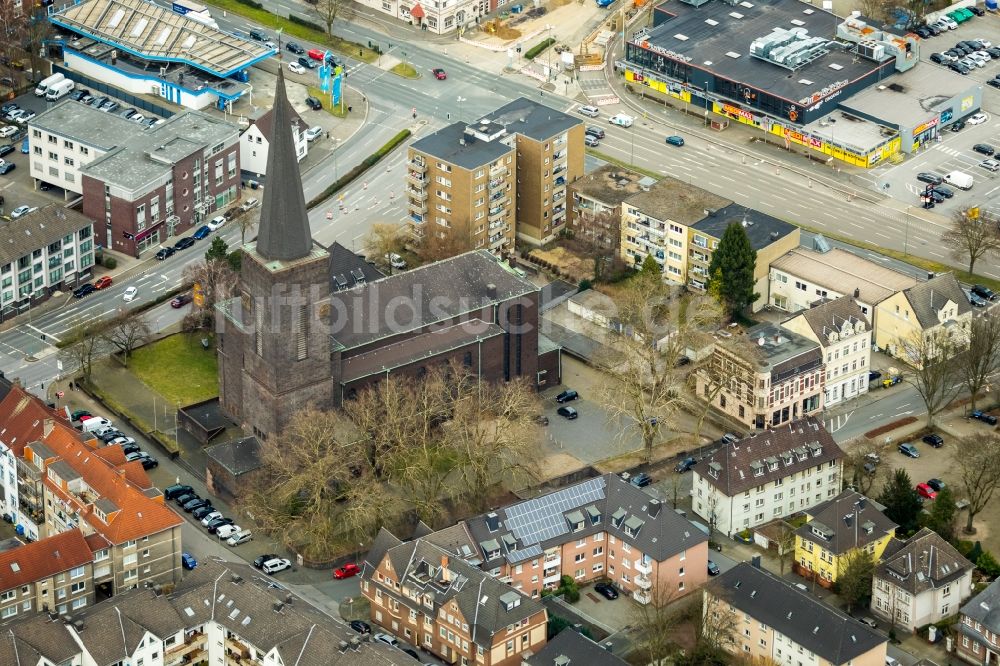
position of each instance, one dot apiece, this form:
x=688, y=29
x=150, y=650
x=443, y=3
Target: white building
x=920, y=581
x=844, y=335
x=437, y=17
x=767, y=475
x=70, y=135
x=254, y=142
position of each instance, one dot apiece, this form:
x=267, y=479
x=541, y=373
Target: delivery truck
x=59, y=90
x=46, y=83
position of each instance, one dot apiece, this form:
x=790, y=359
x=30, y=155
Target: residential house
x=604, y=527
x=836, y=531
x=769, y=237
x=920, y=581
x=54, y=574
x=806, y=275
x=437, y=18
x=220, y=613
x=844, y=335
x=764, y=379
x=979, y=627
x=425, y=596
x=932, y=311
x=570, y=647
x=761, y=617
x=255, y=141
x=595, y=214
x=767, y=475
x=48, y=250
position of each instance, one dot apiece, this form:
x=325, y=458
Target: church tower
x=273, y=342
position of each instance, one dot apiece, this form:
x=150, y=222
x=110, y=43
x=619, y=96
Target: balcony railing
x=415, y=179
x=417, y=165
x=643, y=582
x=414, y=193
x=419, y=207
x=642, y=596
x=643, y=568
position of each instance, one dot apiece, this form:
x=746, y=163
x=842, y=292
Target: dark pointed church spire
x=283, y=233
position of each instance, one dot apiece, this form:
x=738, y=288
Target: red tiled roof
x=44, y=558
x=96, y=542
x=22, y=419
x=417, y=11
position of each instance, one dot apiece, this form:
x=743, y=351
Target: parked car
x=6, y=149
x=188, y=561
x=207, y=510
x=103, y=282
x=279, y=564
x=195, y=503
x=606, y=590
x=83, y=290
x=214, y=526
x=974, y=300
x=567, y=412
x=978, y=119
x=990, y=165
x=927, y=177
x=934, y=440
x=713, y=568
x=591, y=141
x=395, y=261
x=295, y=48
x=184, y=498
x=925, y=490
x=641, y=480
x=307, y=63
x=596, y=132
x=944, y=191
x=212, y=515
x=165, y=252
x=184, y=243
x=984, y=417
x=313, y=133
x=78, y=414
x=360, y=626
x=6, y=168
x=909, y=450
x=261, y=559
x=239, y=538
x=984, y=292
x=685, y=465
x=984, y=149
x=314, y=104
x=590, y=111
x=936, y=484
x=170, y=492
x=296, y=68
x=347, y=571
x=567, y=396
x=20, y=211
x=873, y=375
x=729, y=438
x=201, y=233
x=226, y=531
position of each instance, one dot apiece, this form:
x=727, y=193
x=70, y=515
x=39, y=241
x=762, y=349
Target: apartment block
x=762, y=618
x=45, y=251
x=167, y=180
x=595, y=214
x=843, y=332
x=774, y=376
x=51, y=575
x=979, y=627
x=65, y=482
x=461, y=187
x=426, y=596
x=767, y=475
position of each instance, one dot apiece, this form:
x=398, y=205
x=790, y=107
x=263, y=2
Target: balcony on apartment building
x=417, y=165
x=560, y=181
x=193, y=648
x=699, y=257
x=416, y=179
x=498, y=170
x=643, y=582
x=642, y=596
x=415, y=193
x=418, y=207
x=551, y=576
x=497, y=183
x=646, y=224
x=647, y=242
x=496, y=214
x=642, y=567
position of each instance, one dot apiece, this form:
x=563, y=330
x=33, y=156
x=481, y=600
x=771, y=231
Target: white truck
x=59, y=90
x=46, y=83
x=622, y=120
x=959, y=179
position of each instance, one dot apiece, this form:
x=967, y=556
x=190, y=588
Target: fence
x=102, y=88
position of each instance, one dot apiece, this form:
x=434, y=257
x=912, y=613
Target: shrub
x=538, y=48
x=301, y=21
x=359, y=169
x=584, y=285
x=109, y=262
x=988, y=564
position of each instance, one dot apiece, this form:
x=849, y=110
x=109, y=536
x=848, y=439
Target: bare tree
x=786, y=545
x=718, y=631
x=716, y=374
x=83, y=345
x=981, y=358
x=657, y=622
x=216, y=281
x=328, y=11
x=247, y=221
x=645, y=389
x=864, y=463
x=979, y=471
x=383, y=241
x=876, y=9
x=933, y=369
x=971, y=238
x=442, y=243
x=125, y=332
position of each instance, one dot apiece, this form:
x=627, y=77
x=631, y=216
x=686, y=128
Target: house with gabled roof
x=53, y=574
x=767, y=475
x=923, y=580
x=979, y=627
x=937, y=309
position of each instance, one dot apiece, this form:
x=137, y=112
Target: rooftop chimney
x=857, y=292
x=445, y=572
x=491, y=291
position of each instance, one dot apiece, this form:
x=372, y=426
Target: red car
x=925, y=490
x=347, y=571
x=103, y=282
x=439, y=74
x=315, y=54
x=180, y=301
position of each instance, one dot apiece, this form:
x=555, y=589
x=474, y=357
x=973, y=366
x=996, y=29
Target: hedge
x=251, y=3
x=538, y=48
x=355, y=172
x=301, y=21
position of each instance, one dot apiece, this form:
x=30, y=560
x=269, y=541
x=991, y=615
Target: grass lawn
x=406, y=70
x=340, y=110
x=178, y=368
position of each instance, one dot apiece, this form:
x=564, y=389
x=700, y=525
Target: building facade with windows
x=256, y=140
x=167, y=181
x=55, y=574
x=47, y=250
x=921, y=580
x=595, y=214
x=979, y=627
x=763, y=619
x=767, y=475
x=843, y=332
x=913, y=322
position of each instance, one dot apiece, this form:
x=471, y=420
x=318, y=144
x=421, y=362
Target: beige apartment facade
x=50, y=575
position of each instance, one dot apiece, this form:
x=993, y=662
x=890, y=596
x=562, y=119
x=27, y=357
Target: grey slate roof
x=849, y=522
x=533, y=120
x=762, y=229
x=831, y=316
x=347, y=264
x=925, y=561
x=438, y=292
x=927, y=298
x=38, y=229
x=454, y=146
x=283, y=233
x=604, y=504
x=238, y=456
x=730, y=467
x=985, y=607
x=821, y=629
x=577, y=648
x=24, y=642
x=782, y=350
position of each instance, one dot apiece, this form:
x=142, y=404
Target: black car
x=946, y=192
x=314, y=103
x=873, y=375
x=164, y=253
x=685, y=465
x=994, y=52
x=606, y=590
x=567, y=412
x=295, y=48
x=83, y=290
x=196, y=503
x=184, y=243
x=984, y=149
x=308, y=63
x=938, y=58
x=958, y=67
x=995, y=83
x=978, y=11
x=110, y=435
x=359, y=626
x=936, y=484
x=928, y=177
x=924, y=32
x=410, y=651
x=149, y=462
x=214, y=526
x=641, y=480
x=200, y=513
x=259, y=562
x=984, y=417
x=110, y=106
x=934, y=29
x=184, y=498
x=983, y=292
x=79, y=94
x=595, y=132
x=957, y=126
x=934, y=440
x=130, y=448
x=936, y=197
x=567, y=396
x=176, y=490
x=713, y=568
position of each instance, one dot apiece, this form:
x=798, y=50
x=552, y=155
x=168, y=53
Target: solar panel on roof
x=541, y=519
x=514, y=557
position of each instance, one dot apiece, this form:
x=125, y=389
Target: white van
x=959, y=179
x=622, y=120
x=95, y=423
x=59, y=90
x=45, y=84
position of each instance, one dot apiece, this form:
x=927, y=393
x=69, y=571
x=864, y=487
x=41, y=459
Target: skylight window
x=798, y=22
x=712, y=22
x=805, y=82
x=736, y=15
x=681, y=37
x=732, y=54
x=835, y=66
x=116, y=18
x=139, y=27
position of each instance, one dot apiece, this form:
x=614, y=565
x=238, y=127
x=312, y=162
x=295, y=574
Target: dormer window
x=618, y=517
x=594, y=514
x=772, y=463
x=575, y=520
x=757, y=467
x=714, y=469
x=633, y=525
x=491, y=549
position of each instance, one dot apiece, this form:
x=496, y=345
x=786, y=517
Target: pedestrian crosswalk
x=954, y=152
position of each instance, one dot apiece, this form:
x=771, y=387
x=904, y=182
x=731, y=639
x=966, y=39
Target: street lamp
x=460, y=100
